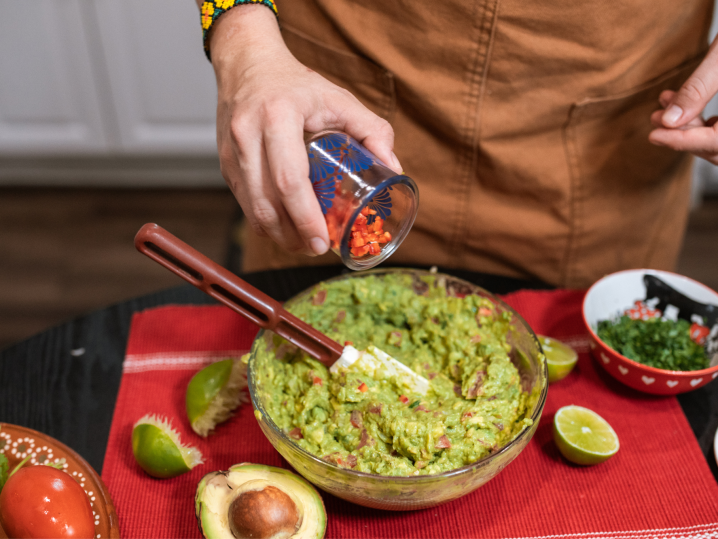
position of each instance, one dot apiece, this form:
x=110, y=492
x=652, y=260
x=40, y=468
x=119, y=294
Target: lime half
x=583, y=436
x=560, y=358
x=158, y=450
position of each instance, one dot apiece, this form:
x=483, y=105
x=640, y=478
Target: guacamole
x=372, y=424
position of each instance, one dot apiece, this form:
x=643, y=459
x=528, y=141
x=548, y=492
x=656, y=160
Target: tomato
x=366, y=238
x=40, y=501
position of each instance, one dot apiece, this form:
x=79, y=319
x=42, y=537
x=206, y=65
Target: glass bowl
x=369, y=209
x=414, y=492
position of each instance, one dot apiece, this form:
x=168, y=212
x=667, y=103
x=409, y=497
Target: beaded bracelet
x=212, y=9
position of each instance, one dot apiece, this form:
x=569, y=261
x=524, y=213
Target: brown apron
x=524, y=125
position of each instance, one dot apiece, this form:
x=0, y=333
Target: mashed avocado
x=476, y=403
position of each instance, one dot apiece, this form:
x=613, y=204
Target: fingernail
x=395, y=162
x=672, y=115
x=318, y=245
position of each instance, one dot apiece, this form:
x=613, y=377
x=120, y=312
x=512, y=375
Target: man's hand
x=266, y=101
x=679, y=124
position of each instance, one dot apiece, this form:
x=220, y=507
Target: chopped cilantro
x=663, y=344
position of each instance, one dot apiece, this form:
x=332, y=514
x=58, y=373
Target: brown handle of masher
x=224, y=286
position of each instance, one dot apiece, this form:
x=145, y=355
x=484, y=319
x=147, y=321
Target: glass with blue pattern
x=346, y=178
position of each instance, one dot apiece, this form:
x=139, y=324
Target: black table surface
x=64, y=381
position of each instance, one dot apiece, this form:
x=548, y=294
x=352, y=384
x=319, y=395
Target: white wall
x=119, y=93
x=107, y=93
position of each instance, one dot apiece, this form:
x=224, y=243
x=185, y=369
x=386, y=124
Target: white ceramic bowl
x=610, y=297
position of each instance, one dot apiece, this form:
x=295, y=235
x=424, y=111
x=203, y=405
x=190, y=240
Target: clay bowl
x=17, y=442
x=614, y=294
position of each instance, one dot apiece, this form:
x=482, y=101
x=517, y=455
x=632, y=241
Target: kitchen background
x=107, y=115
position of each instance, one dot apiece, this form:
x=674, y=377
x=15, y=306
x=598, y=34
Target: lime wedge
x=583, y=436
x=214, y=393
x=158, y=450
x=560, y=358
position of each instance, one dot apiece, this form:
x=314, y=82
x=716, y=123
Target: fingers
x=688, y=103
x=657, y=121
x=665, y=98
x=289, y=170
x=376, y=134
x=697, y=140
x=346, y=113
x=248, y=173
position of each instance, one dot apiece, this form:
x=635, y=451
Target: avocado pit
x=262, y=510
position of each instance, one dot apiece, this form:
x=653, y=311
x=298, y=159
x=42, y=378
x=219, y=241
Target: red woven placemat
x=658, y=485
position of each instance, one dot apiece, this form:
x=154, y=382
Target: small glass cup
x=368, y=207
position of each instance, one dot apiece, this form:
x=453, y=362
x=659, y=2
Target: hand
x=266, y=101
x=679, y=124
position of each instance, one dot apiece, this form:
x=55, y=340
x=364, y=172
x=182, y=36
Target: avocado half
x=217, y=491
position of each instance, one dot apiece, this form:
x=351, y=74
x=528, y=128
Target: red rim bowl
x=615, y=293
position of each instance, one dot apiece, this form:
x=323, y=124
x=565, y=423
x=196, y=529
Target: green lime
x=583, y=436
x=214, y=393
x=158, y=450
x=560, y=358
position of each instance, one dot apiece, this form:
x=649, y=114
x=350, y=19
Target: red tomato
x=40, y=501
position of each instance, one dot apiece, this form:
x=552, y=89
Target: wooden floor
x=66, y=252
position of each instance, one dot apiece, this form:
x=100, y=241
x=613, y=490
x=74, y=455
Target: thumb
x=688, y=103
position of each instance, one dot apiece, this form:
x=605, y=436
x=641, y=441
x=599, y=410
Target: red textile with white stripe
x=658, y=485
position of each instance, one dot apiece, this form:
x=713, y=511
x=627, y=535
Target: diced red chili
x=363, y=387
x=484, y=311
x=404, y=399
x=318, y=381
x=699, y=333
x=367, y=238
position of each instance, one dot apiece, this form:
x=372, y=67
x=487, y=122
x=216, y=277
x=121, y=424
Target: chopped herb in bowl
x=656, y=342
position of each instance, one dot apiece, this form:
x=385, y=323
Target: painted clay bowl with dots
x=17, y=442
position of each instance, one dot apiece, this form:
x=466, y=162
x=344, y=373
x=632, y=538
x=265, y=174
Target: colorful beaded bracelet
x=212, y=9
